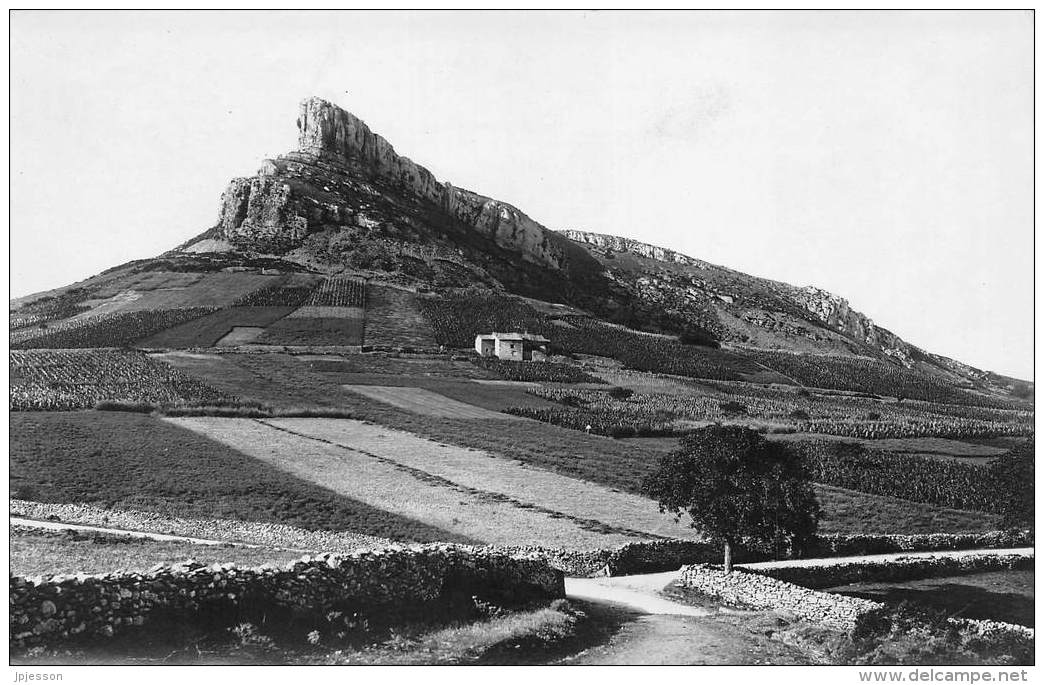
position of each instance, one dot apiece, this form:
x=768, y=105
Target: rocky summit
x=345, y=190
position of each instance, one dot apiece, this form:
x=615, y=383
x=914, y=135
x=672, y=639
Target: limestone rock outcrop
x=340, y=165
x=617, y=244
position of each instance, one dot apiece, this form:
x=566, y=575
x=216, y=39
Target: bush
x=733, y=408
x=698, y=336
x=618, y=393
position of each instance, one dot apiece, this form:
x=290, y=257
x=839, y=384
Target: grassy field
x=302, y=330
x=485, y=473
x=161, y=290
x=849, y=511
x=132, y=461
x=394, y=486
x=40, y=552
x=382, y=364
x=206, y=331
x=426, y=402
x=619, y=464
x=1000, y=596
x=394, y=319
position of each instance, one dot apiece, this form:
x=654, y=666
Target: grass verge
x=36, y=552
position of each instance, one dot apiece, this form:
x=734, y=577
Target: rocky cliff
x=339, y=166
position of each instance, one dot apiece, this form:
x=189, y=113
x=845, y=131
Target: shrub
x=733, y=408
x=698, y=336
x=618, y=393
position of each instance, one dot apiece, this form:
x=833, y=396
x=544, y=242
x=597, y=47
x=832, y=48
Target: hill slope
x=346, y=205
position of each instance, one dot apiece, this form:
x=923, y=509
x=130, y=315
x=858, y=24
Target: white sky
x=886, y=157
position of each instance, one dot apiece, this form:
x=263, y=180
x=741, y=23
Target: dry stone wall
x=769, y=590
x=897, y=569
x=391, y=582
x=756, y=591
x=669, y=555
x=853, y=545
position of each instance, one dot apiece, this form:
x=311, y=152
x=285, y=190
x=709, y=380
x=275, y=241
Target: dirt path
x=660, y=640
x=649, y=629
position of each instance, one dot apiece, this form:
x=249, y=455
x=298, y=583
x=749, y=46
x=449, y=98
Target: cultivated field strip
x=394, y=319
x=328, y=312
x=427, y=403
x=478, y=470
x=383, y=484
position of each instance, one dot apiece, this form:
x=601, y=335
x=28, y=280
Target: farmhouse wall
x=387, y=582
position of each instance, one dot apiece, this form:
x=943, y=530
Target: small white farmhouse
x=516, y=346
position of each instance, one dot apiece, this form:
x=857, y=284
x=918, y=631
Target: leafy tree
x=738, y=488
x=1012, y=476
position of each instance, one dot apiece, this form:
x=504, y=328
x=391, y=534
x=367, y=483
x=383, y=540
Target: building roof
x=532, y=337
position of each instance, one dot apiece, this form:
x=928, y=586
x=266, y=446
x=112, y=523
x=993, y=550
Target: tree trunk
x=728, y=557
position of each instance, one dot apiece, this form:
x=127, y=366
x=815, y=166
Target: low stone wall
x=632, y=557
x=755, y=591
x=896, y=569
x=668, y=555
x=747, y=589
x=854, y=545
x=385, y=584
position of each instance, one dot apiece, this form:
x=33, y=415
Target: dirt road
x=649, y=629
